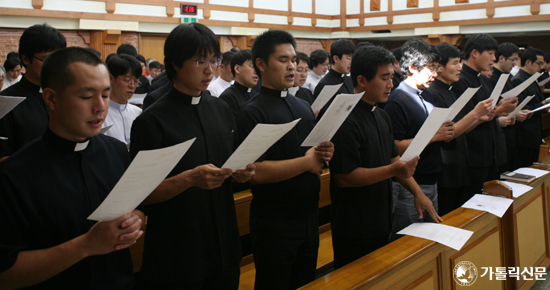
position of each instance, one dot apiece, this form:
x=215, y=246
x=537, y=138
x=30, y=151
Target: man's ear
x=475, y=53
x=335, y=59
x=111, y=79
x=362, y=81
x=25, y=60
x=413, y=69
x=501, y=58
x=237, y=69
x=50, y=98
x=260, y=63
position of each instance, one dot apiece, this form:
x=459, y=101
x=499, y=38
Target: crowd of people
x=64, y=148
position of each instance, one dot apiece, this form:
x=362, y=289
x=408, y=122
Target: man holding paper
x=284, y=210
x=45, y=237
x=192, y=233
x=409, y=110
x=365, y=159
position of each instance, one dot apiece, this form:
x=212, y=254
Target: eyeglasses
x=514, y=60
x=435, y=69
x=41, y=60
x=540, y=63
x=130, y=82
x=202, y=63
x=326, y=64
x=302, y=71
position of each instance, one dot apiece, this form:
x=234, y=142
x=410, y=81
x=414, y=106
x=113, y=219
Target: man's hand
x=208, y=176
x=325, y=151
x=315, y=163
x=402, y=169
x=505, y=121
x=245, y=175
x=445, y=133
x=421, y=202
x=522, y=115
x=105, y=237
x=508, y=105
x=483, y=108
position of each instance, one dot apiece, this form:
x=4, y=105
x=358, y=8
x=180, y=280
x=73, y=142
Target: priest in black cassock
x=245, y=79
x=29, y=119
x=50, y=186
x=192, y=233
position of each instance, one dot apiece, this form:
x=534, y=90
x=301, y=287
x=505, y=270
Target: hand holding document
x=457, y=106
x=137, y=99
x=8, y=103
x=449, y=236
x=324, y=96
x=489, y=203
x=498, y=88
x=541, y=107
x=544, y=82
x=520, y=106
x=517, y=189
x=144, y=174
x=260, y=139
x=333, y=118
x=436, y=118
x=521, y=87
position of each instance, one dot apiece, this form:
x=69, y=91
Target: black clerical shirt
x=236, y=96
x=530, y=130
x=364, y=140
x=194, y=234
x=333, y=78
x=305, y=94
x=48, y=190
x=25, y=122
x=296, y=197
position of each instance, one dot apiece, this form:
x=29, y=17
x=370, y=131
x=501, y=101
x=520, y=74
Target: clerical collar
x=115, y=105
x=441, y=84
x=273, y=93
x=470, y=70
x=63, y=145
x=242, y=88
x=333, y=72
x=30, y=86
x=181, y=97
x=366, y=106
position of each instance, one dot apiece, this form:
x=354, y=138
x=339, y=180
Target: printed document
x=324, y=96
x=449, y=236
x=492, y=204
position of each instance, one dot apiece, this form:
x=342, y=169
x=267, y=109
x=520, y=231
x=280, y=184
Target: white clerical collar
x=40, y=91
x=373, y=108
x=450, y=87
x=283, y=94
x=81, y=146
x=343, y=75
x=249, y=90
x=195, y=100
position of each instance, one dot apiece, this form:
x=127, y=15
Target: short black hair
x=300, y=56
x=109, y=57
x=235, y=49
x=506, y=49
x=480, y=42
x=12, y=54
x=318, y=57
x=363, y=43
x=11, y=63
x=367, y=59
x=264, y=45
x=94, y=51
x=531, y=54
x=127, y=49
x=341, y=47
x=154, y=64
x=55, y=73
x=40, y=38
x=418, y=53
x=120, y=65
x=240, y=58
x=397, y=52
x=140, y=58
x=547, y=57
x=446, y=52
x=186, y=41
x=226, y=57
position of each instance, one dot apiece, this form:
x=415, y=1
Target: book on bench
x=517, y=176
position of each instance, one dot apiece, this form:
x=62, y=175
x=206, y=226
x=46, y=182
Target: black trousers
x=285, y=251
x=349, y=249
x=228, y=279
x=451, y=198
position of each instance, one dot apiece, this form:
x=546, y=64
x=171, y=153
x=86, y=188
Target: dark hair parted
x=155, y=64
x=240, y=58
x=264, y=45
x=480, y=42
x=226, y=57
x=367, y=59
x=140, y=58
x=530, y=54
x=300, y=56
x=12, y=63
x=446, y=52
x=120, y=65
x=127, y=49
x=341, y=47
x=187, y=41
x=398, y=53
x=506, y=49
x=318, y=57
x=40, y=38
x=55, y=73
x=417, y=53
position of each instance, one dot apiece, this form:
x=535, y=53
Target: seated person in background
x=144, y=84
x=245, y=79
x=154, y=70
x=2, y=75
x=318, y=68
x=219, y=85
x=13, y=67
x=365, y=159
x=50, y=187
x=124, y=72
x=302, y=70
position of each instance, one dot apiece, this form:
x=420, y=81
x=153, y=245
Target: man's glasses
x=41, y=60
x=130, y=82
x=202, y=63
x=302, y=70
x=514, y=60
x=540, y=63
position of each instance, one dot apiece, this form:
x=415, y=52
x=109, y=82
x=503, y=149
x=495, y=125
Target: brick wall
x=131, y=38
x=308, y=45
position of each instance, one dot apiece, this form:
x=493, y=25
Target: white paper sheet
x=137, y=99
x=449, y=236
x=541, y=108
x=105, y=129
x=436, y=118
x=520, y=106
x=517, y=189
x=333, y=118
x=531, y=171
x=544, y=82
x=521, y=87
x=498, y=88
x=260, y=139
x=324, y=96
x=147, y=170
x=489, y=203
x=8, y=103
x=459, y=104
x=293, y=90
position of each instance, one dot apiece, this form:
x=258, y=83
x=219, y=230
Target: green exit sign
x=189, y=19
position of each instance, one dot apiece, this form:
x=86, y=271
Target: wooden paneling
x=374, y=5
x=152, y=45
x=412, y=3
x=105, y=42
x=531, y=234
